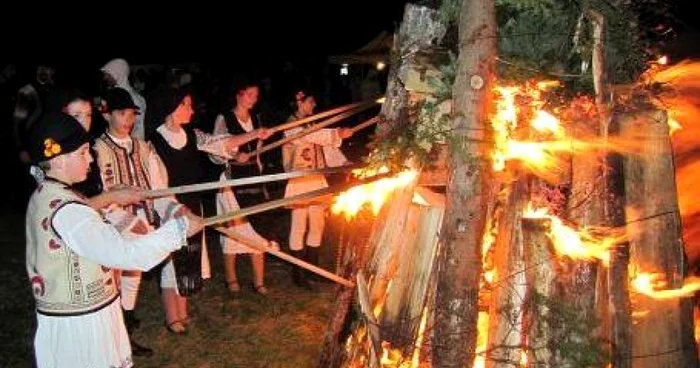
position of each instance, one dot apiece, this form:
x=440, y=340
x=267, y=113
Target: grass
x=283, y=329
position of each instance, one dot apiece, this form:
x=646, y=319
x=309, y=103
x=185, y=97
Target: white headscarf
x=119, y=70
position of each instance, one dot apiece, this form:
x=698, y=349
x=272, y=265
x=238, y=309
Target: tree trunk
x=663, y=337
x=456, y=305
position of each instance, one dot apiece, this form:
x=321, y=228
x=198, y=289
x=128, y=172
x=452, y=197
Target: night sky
x=204, y=32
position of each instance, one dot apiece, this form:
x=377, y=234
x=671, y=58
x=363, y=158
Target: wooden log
x=662, y=338
x=615, y=306
x=505, y=334
x=355, y=256
x=540, y=264
x=406, y=298
x=579, y=279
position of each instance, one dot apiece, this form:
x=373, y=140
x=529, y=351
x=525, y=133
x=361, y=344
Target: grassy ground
x=283, y=329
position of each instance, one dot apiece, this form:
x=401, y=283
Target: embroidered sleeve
x=84, y=231
x=213, y=144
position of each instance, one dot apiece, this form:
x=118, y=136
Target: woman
x=240, y=121
x=178, y=145
x=312, y=151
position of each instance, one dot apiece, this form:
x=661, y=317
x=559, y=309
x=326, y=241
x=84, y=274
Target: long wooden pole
x=338, y=110
x=286, y=201
x=266, y=248
x=247, y=181
x=364, y=125
x=308, y=131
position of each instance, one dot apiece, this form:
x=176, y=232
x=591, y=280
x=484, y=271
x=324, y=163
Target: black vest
x=185, y=166
x=238, y=171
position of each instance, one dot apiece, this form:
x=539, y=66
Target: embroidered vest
x=302, y=156
x=115, y=161
x=63, y=283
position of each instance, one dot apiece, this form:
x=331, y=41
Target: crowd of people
x=92, y=228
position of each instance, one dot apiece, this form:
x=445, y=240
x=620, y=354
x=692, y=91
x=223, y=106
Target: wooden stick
x=266, y=248
x=364, y=125
x=308, y=131
x=338, y=110
x=286, y=201
x=246, y=181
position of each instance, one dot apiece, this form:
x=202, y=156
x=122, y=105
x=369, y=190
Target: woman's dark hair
x=299, y=96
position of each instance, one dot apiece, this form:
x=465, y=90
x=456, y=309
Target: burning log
x=615, y=306
x=664, y=336
x=540, y=275
x=406, y=298
x=505, y=334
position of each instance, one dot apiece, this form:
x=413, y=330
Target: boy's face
x=75, y=165
x=121, y=122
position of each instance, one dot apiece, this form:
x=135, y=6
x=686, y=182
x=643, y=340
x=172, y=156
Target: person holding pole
x=71, y=252
x=313, y=151
x=242, y=122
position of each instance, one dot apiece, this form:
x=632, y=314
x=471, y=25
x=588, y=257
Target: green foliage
x=429, y=126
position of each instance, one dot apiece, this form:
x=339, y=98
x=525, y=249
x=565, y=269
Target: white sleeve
x=158, y=177
x=213, y=144
x=84, y=231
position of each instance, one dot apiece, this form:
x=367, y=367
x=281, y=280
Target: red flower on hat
x=51, y=148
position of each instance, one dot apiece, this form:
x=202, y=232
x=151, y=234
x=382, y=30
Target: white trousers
x=314, y=217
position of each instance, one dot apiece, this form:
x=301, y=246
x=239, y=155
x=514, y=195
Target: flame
x=546, y=122
x=653, y=284
x=482, y=334
x=523, y=358
x=696, y=319
x=352, y=200
x=587, y=244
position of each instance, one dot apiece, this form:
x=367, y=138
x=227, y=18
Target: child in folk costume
x=241, y=122
x=71, y=251
x=313, y=151
x=126, y=160
x=178, y=145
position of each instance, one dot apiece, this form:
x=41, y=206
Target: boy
x=71, y=251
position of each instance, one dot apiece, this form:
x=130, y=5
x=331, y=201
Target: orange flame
x=653, y=284
x=587, y=244
x=352, y=200
x=482, y=334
